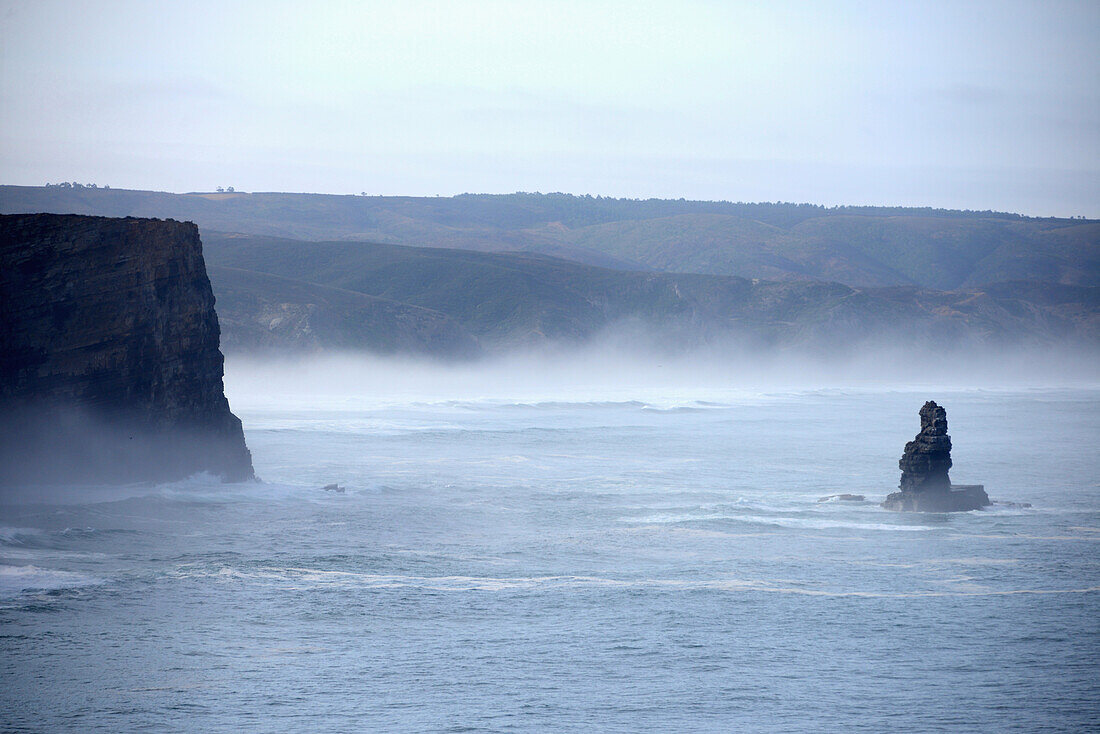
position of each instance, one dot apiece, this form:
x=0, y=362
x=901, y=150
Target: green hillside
x=858, y=246
x=510, y=299
x=264, y=312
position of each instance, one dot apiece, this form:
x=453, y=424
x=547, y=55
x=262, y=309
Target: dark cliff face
x=927, y=458
x=109, y=363
x=925, y=485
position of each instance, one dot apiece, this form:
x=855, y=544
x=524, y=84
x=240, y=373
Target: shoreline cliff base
x=110, y=367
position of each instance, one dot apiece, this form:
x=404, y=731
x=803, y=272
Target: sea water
x=644, y=558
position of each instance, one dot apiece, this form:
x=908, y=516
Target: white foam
x=17, y=536
x=15, y=580
x=804, y=523
x=299, y=578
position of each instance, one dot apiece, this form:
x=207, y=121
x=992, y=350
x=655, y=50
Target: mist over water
x=593, y=539
x=611, y=367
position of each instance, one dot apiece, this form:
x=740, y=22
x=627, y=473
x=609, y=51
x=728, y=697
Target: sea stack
x=925, y=485
x=110, y=367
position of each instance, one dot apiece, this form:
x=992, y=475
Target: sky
x=976, y=105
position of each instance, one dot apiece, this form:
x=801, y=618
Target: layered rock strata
x=925, y=484
x=110, y=368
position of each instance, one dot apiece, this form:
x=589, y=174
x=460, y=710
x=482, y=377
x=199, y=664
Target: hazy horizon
x=238, y=191
x=976, y=106
x=613, y=368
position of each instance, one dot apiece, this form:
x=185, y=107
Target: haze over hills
x=857, y=246
x=460, y=275
x=287, y=294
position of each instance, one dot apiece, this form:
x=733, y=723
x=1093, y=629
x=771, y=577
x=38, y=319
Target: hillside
x=260, y=311
x=858, y=246
x=511, y=299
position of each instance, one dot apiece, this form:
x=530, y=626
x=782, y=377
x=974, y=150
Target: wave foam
x=311, y=578
x=17, y=536
x=800, y=523
x=15, y=580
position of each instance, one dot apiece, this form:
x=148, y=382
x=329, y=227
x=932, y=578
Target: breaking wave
x=17, y=580
x=304, y=578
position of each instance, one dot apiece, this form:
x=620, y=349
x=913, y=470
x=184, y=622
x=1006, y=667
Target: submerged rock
x=925, y=485
x=842, y=498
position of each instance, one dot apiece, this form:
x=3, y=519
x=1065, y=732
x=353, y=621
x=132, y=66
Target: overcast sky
x=954, y=104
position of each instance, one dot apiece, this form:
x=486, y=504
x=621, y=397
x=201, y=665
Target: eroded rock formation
x=927, y=458
x=925, y=485
x=110, y=369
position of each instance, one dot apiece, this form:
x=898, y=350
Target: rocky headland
x=925, y=484
x=110, y=368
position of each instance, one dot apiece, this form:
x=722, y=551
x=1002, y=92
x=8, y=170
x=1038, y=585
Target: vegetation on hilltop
x=858, y=246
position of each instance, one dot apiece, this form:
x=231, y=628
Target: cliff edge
x=110, y=369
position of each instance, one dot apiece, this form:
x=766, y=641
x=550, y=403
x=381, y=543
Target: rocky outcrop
x=925, y=485
x=110, y=369
x=927, y=458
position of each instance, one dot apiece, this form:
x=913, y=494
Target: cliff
x=110, y=369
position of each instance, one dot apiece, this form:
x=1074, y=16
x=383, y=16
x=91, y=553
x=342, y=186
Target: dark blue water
x=655, y=562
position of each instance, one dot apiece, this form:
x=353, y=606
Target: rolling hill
x=288, y=294
x=857, y=246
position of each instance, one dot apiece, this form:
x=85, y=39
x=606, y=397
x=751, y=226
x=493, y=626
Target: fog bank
x=610, y=372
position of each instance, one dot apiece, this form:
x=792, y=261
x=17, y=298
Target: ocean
x=619, y=554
